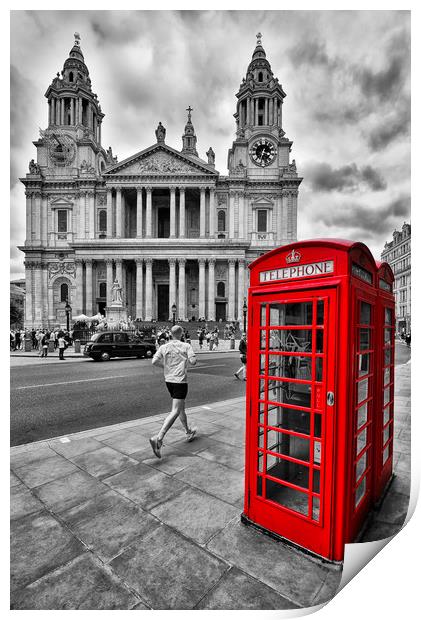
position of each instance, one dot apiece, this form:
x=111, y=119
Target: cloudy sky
x=346, y=75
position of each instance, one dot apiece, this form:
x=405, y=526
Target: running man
x=174, y=357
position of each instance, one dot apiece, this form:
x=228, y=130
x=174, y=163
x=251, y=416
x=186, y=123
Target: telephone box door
x=290, y=443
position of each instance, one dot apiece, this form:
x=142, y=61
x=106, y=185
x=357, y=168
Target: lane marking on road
x=210, y=366
x=28, y=387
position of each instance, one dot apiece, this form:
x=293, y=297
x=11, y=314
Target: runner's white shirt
x=174, y=356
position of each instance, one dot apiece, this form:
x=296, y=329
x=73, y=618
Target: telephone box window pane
x=263, y=364
x=317, y=425
x=388, y=316
x=365, y=313
x=362, y=416
x=289, y=472
x=386, y=376
x=263, y=339
x=260, y=461
x=259, y=486
x=262, y=388
x=288, y=445
x=386, y=396
x=361, y=466
x=386, y=434
x=360, y=492
x=289, y=419
x=363, y=364
x=361, y=441
x=61, y=221
x=316, y=509
x=298, y=394
x=319, y=341
x=364, y=338
x=261, y=433
x=387, y=356
x=319, y=369
x=291, y=314
x=387, y=335
x=320, y=312
x=386, y=453
x=293, y=367
x=290, y=340
x=263, y=315
x=290, y=498
x=362, y=387
x=386, y=415
x=316, y=480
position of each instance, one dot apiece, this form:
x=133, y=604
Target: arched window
x=220, y=289
x=221, y=221
x=64, y=292
x=260, y=77
x=103, y=289
x=102, y=165
x=71, y=76
x=103, y=220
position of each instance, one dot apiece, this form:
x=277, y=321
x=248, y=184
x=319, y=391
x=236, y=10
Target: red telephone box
x=312, y=390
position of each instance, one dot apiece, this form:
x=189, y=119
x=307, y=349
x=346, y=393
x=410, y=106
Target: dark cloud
x=310, y=52
x=361, y=218
x=321, y=177
x=397, y=126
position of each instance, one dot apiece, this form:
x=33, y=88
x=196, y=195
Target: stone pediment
x=159, y=160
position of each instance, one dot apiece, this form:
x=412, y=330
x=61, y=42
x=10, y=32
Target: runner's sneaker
x=156, y=446
x=191, y=434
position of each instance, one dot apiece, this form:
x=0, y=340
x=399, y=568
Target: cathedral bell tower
x=72, y=140
x=189, y=137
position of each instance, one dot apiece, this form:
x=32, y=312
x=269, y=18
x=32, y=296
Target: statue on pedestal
x=116, y=294
x=160, y=132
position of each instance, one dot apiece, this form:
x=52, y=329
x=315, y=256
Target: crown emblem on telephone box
x=293, y=257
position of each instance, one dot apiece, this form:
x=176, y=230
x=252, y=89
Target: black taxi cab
x=104, y=345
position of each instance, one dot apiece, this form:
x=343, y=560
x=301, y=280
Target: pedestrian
x=408, y=339
x=17, y=340
x=174, y=357
x=62, y=345
x=56, y=337
x=44, y=344
x=242, y=347
x=40, y=336
x=207, y=336
x=12, y=340
x=211, y=341
x=201, y=336
x=216, y=338
x=34, y=338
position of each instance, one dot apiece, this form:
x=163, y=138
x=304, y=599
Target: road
x=66, y=397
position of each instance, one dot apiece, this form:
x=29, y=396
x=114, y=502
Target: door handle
x=330, y=399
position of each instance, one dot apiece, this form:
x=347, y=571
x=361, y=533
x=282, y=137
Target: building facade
x=163, y=222
x=398, y=254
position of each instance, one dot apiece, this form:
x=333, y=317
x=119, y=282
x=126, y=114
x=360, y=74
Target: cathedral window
x=71, y=76
x=260, y=78
x=62, y=221
x=220, y=289
x=64, y=292
x=102, y=220
x=103, y=289
x=221, y=221
x=262, y=220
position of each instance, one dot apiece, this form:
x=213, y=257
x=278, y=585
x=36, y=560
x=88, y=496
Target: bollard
x=232, y=343
x=77, y=346
x=28, y=345
x=51, y=345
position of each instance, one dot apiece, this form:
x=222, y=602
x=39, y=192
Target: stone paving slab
x=69, y=491
x=42, y=471
x=168, y=570
x=103, y=462
x=23, y=502
x=215, y=479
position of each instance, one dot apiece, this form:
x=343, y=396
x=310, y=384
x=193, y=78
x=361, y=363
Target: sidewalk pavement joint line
x=215, y=585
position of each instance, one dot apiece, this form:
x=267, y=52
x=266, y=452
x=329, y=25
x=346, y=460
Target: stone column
x=78, y=305
x=123, y=215
x=62, y=112
x=240, y=292
x=82, y=202
x=172, y=213
x=28, y=216
x=88, y=275
x=80, y=107
x=248, y=111
x=37, y=299
x=118, y=213
x=212, y=213
x=148, y=290
x=91, y=212
x=182, y=289
x=110, y=279
x=109, y=213
x=139, y=288
x=202, y=215
x=37, y=217
x=173, y=293
x=182, y=226
x=231, y=215
x=44, y=297
x=241, y=215
x=256, y=111
x=211, y=289
x=202, y=292
x=148, y=212
x=44, y=220
x=266, y=121
x=139, y=213
x=28, y=295
x=231, y=291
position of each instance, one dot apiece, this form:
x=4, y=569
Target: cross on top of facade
x=189, y=110
x=77, y=38
x=259, y=38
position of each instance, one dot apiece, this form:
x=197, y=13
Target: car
x=104, y=345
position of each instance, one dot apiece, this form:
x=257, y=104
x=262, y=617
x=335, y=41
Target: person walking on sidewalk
x=242, y=347
x=44, y=344
x=61, y=346
x=174, y=357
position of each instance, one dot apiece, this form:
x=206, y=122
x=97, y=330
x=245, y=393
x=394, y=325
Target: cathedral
x=173, y=232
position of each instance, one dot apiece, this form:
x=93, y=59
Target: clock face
x=262, y=152
x=61, y=148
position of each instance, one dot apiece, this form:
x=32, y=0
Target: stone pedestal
x=114, y=314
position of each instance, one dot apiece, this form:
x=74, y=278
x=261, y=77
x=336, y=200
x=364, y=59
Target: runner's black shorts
x=177, y=390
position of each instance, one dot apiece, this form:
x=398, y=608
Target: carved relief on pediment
x=163, y=163
x=66, y=268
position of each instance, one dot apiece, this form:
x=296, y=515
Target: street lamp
x=244, y=315
x=173, y=310
x=68, y=309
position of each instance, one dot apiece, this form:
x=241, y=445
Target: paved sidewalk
x=99, y=523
